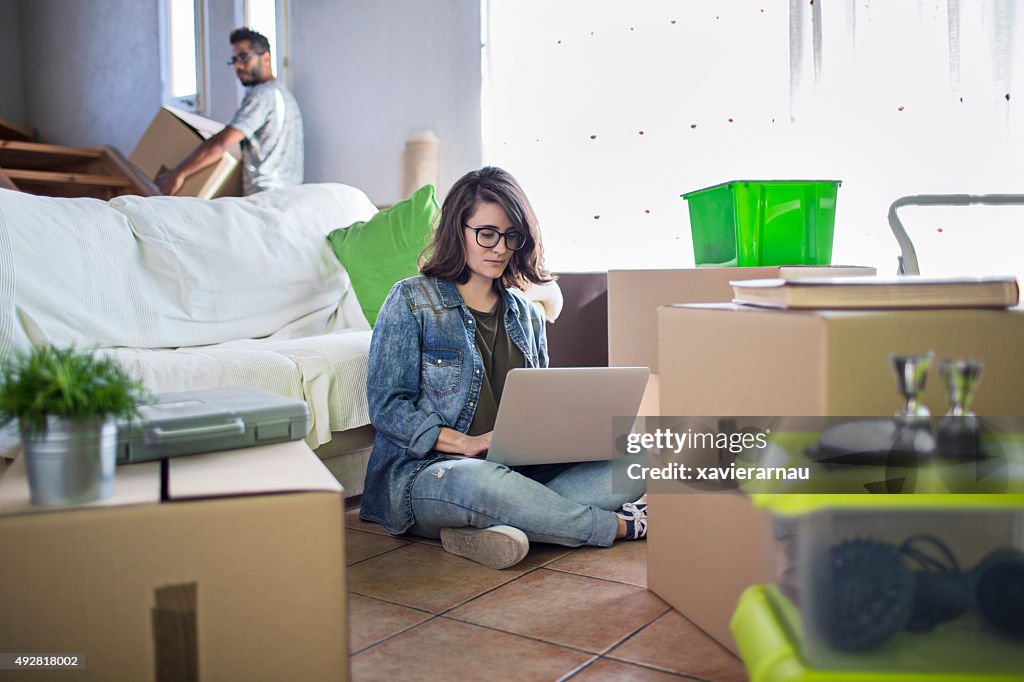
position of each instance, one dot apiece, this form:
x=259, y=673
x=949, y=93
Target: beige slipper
x=497, y=546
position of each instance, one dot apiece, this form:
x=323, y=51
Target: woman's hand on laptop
x=458, y=443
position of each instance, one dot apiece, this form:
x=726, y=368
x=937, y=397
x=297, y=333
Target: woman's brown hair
x=445, y=256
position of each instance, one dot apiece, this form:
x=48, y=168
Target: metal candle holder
x=959, y=431
x=911, y=372
x=960, y=378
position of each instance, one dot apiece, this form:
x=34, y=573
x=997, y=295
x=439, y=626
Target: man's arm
x=207, y=153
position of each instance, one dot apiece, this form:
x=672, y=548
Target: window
x=266, y=16
x=183, y=53
x=607, y=112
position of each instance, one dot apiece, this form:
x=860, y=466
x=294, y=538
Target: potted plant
x=67, y=403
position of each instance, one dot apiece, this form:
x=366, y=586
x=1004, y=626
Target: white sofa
x=192, y=294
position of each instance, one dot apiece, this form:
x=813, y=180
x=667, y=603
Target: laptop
x=571, y=414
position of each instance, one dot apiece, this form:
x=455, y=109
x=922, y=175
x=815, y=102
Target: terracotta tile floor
x=419, y=613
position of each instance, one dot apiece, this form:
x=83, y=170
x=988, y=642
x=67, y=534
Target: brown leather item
x=580, y=336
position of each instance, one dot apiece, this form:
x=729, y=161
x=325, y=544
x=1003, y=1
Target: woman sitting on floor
x=441, y=347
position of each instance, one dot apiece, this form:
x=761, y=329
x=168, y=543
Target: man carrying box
x=268, y=125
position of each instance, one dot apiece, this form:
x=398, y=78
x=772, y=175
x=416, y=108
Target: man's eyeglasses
x=242, y=57
x=488, y=237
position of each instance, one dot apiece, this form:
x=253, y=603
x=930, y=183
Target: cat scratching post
x=421, y=162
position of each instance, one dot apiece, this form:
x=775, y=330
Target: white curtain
x=608, y=111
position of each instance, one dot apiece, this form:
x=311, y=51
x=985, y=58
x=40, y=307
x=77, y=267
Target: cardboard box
x=703, y=550
x=171, y=136
x=725, y=360
x=635, y=295
x=745, y=361
x=633, y=300
x=684, y=578
x=238, y=575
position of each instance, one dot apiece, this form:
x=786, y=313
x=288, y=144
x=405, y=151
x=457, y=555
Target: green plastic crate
x=973, y=529
x=747, y=223
x=811, y=518
x=767, y=629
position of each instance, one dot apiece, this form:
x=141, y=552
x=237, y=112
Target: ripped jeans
x=575, y=507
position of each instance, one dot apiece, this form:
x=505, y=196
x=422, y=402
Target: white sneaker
x=635, y=516
x=497, y=546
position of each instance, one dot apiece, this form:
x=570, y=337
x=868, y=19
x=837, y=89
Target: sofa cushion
x=395, y=237
x=328, y=371
x=152, y=272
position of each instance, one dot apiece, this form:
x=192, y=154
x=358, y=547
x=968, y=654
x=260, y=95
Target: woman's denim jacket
x=425, y=372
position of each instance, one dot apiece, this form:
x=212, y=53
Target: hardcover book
x=909, y=291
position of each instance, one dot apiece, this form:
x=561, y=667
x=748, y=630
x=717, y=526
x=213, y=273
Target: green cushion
x=384, y=249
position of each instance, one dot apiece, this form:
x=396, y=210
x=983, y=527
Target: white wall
x=12, y=84
x=643, y=102
x=91, y=70
x=106, y=53
x=366, y=74
x=222, y=86
x=369, y=73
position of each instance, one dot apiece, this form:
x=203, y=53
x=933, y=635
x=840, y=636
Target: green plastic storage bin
x=747, y=223
x=768, y=632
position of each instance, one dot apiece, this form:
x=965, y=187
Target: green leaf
x=65, y=382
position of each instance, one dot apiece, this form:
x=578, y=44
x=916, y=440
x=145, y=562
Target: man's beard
x=255, y=76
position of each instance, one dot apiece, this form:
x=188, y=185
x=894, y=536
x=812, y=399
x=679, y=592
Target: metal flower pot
x=72, y=461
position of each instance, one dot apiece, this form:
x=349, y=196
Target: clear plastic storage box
x=900, y=587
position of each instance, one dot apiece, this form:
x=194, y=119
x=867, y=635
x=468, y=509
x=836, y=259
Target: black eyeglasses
x=488, y=237
x=243, y=57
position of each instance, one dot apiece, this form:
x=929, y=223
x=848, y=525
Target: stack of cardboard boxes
x=727, y=360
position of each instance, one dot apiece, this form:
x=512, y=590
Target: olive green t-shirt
x=499, y=355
